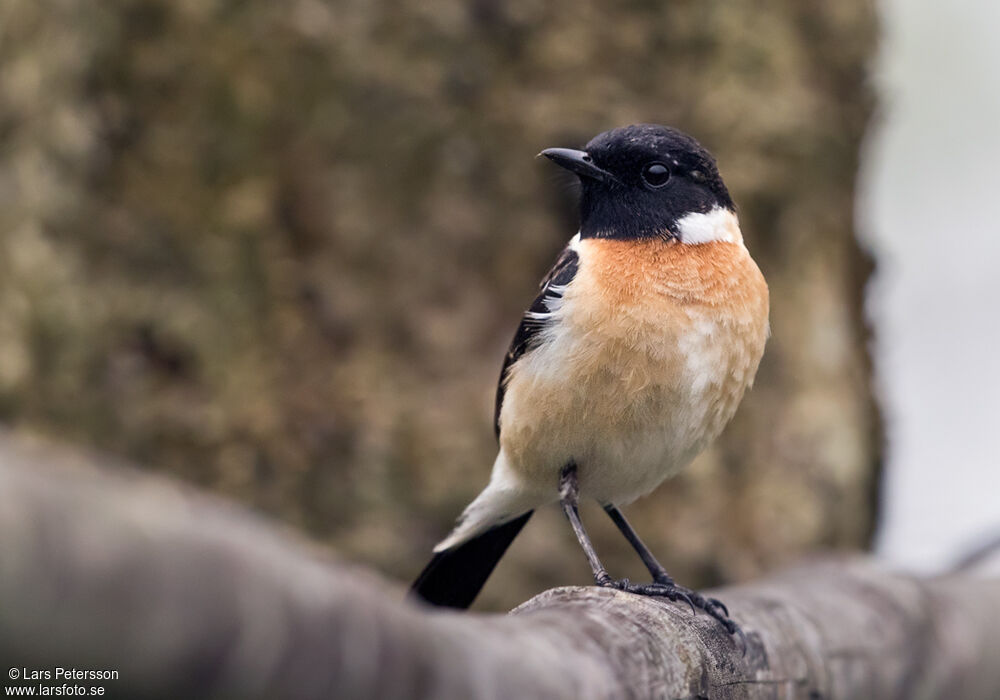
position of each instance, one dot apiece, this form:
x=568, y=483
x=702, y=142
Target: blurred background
x=929, y=184
x=279, y=249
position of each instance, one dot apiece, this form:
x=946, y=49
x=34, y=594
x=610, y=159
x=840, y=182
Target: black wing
x=536, y=318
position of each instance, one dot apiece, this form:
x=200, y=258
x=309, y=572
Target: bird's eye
x=655, y=174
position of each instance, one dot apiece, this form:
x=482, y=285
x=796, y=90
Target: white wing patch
x=554, y=292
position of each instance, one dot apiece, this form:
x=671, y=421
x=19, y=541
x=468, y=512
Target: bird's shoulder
x=538, y=315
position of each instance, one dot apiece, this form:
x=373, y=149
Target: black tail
x=454, y=577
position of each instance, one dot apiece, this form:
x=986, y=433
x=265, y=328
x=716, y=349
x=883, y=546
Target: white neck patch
x=719, y=224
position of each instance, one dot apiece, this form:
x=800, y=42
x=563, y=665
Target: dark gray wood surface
x=189, y=596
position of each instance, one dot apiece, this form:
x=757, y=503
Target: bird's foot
x=665, y=587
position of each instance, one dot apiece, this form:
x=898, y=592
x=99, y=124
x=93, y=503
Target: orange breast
x=672, y=275
x=652, y=348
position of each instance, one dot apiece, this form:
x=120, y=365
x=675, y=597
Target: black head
x=639, y=181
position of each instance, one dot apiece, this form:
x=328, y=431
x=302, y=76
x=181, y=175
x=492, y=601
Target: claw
x=716, y=603
x=744, y=643
x=687, y=599
x=712, y=606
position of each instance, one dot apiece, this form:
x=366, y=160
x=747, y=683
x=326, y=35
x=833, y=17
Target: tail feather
x=454, y=576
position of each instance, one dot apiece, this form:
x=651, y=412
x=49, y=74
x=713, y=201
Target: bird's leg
x=664, y=584
x=656, y=569
x=664, y=587
x=569, y=497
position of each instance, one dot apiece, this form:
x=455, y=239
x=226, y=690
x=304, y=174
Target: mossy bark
x=279, y=249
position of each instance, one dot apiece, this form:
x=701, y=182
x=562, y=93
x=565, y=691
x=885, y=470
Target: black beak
x=579, y=162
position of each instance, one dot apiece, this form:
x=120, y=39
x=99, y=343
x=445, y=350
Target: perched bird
x=633, y=357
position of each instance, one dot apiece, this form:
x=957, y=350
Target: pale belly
x=631, y=405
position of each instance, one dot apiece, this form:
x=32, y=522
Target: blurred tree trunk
x=279, y=249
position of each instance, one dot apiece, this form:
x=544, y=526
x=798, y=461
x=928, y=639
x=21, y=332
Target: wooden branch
x=187, y=596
